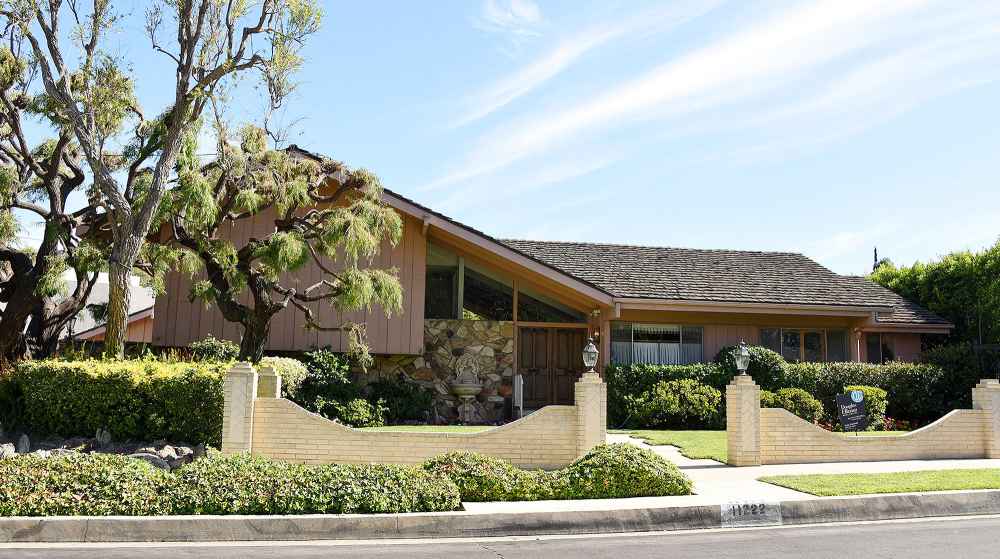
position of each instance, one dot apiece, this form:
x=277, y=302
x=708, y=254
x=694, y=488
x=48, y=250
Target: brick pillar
x=986, y=396
x=743, y=422
x=591, y=401
x=239, y=390
x=268, y=383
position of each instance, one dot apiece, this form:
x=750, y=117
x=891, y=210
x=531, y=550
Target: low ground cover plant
x=102, y=484
x=607, y=471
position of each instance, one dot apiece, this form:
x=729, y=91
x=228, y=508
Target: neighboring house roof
x=904, y=310
x=729, y=276
x=140, y=305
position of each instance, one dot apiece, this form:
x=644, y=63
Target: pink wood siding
x=718, y=336
x=179, y=321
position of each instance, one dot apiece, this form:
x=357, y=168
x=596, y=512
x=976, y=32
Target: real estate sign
x=853, y=416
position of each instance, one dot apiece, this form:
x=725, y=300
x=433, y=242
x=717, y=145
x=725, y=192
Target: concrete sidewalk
x=716, y=483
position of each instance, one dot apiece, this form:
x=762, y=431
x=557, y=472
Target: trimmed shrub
x=328, y=378
x=962, y=370
x=680, y=403
x=627, y=384
x=82, y=484
x=403, y=400
x=614, y=471
x=795, y=400
x=875, y=405
x=214, y=349
x=106, y=484
x=606, y=472
x=357, y=412
x=766, y=366
x=244, y=484
x=291, y=371
x=482, y=478
x=138, y=400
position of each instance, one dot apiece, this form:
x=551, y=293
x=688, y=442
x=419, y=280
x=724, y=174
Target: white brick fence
x=775, y=436
x=256, y=420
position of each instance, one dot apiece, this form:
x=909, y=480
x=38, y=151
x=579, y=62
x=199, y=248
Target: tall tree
x=963, y=287
x=210, y=43
x=322, y=213
x=36, y=181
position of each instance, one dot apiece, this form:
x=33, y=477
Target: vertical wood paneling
x=178, y=321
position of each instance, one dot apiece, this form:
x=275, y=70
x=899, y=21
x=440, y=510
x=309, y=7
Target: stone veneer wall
x=485, y=346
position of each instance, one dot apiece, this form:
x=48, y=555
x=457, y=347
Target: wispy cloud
x=765, y=63
x=507, y=186
x=573, y=47
x=516, y=20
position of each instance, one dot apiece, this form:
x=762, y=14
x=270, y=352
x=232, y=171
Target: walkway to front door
x=549, y=361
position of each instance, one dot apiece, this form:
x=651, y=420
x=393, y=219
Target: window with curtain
x=655, y=344
x=810, y=345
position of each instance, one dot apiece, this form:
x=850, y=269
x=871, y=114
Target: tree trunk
x=119, y=299
x=255, y=332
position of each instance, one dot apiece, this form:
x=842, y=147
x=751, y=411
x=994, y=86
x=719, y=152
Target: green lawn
x=709, y=444
x=829, y=485
x=432, y=428
x=693, y=444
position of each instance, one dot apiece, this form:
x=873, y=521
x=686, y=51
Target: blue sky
x=822, y=127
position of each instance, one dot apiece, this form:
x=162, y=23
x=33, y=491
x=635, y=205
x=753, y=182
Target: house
x=507, y=309
x=87, y=327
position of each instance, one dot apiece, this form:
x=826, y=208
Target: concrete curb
x=465, y=524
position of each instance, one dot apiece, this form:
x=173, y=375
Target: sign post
x=853, y=416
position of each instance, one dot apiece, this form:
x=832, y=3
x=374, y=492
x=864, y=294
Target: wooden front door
x=550, y=362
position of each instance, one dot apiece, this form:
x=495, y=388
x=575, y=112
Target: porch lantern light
x=71, y=325
x=743, y=358
x=590, y=354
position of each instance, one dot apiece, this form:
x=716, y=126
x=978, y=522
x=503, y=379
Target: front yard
x=710, y=444
x=832, y=485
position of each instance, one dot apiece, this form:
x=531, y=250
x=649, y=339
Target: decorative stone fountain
x=466, y=386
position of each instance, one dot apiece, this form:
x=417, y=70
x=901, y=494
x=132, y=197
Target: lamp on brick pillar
x=591, y=402
x=742, y=358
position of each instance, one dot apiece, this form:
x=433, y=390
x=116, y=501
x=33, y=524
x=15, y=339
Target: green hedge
x=101, y=484
x=917, y=392
x=137, y=400
x=681, y=403
x=795, y=400
x=608, y=471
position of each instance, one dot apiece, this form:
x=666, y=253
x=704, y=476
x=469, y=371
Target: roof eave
x=680, y=305
x=431, y=218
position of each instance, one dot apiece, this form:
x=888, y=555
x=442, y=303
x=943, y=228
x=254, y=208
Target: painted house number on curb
x=749, y=513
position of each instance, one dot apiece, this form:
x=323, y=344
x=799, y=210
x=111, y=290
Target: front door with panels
x=550, y=362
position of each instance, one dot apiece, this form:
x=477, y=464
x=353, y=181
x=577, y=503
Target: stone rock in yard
x=178, y=462
x=198, y=451
x=183, y=451
x=153, y=459
x=61, y=452
x=103, y=438
x=42, y=453
x=7, y=451
x=167, y=453
x=23, y=445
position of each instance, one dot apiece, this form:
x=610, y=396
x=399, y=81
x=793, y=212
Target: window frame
x=802, y=331
x=681, y=327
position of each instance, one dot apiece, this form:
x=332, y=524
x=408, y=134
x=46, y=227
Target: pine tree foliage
x=319, y=212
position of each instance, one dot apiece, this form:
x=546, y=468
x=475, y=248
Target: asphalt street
x=931, y=539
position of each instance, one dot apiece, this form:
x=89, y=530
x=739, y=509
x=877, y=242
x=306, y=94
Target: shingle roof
x=719, y=276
